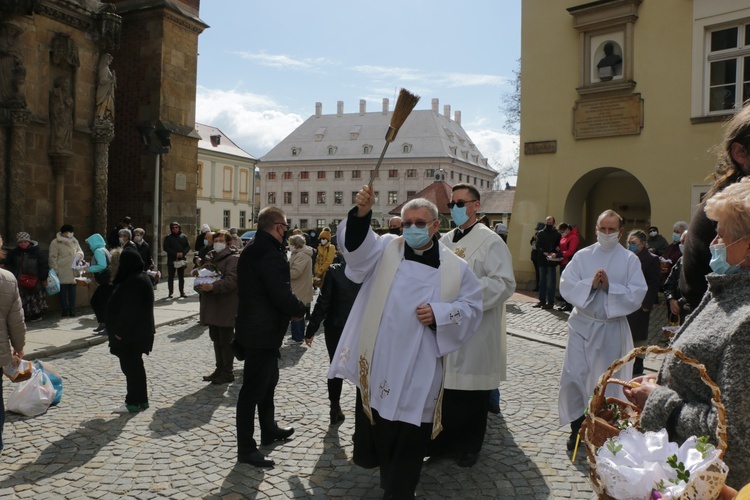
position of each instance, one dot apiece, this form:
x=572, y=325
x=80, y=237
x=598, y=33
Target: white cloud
x=431, y=79
x=284, y=61
x=498, y=147
x=254, y=122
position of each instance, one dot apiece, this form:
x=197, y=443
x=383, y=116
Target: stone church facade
x=96, y=117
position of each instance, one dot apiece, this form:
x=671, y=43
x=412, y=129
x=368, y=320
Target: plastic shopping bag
x=33, y=397
x=53, y=283
x=18, y=369
x=54, y=377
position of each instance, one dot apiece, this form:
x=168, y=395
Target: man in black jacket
x=176, y=246
x=266, y=306
x=547, y=244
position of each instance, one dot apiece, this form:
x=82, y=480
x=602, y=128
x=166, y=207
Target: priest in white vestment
x=604, y=283
x=480, y=364
x=418, y=302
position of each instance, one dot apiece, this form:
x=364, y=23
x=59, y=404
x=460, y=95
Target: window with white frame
x=303, y=223
x=321, y=198
x=287, y=197
x=271, y=176
x=288, y=176
x=304, y=197
x=392, y=197
x=271, y=197
x=338, y=197
x=356, y=174
x=320, y=223
x=354, y=197
x=728, y=70
x=243, y=219
x=338, y=174
x=226, y=219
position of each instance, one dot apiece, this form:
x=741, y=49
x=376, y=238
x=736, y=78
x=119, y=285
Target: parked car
x=247, y=237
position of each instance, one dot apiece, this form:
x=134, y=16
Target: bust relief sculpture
x=105, y=90
x=607, y=66
x=61, y=117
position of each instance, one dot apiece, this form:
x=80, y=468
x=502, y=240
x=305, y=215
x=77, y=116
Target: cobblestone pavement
x=184, y=445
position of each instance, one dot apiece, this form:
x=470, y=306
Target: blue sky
x=263, y=65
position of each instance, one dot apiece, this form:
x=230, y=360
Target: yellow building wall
x=667, y=159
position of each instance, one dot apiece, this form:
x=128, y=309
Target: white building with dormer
x=226, y=184
x=317, y=170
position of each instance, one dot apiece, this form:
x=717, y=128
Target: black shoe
x=280, y=434
x=183, y=296
x=170, y=296
x=547, y=306
x=72, y=313
x=494, y=409
x=99, y=328
x=468, y=459
x=209, y=378
x=257, y=459
x=221, y=379
x=337, y=416
x=539, y=304
x=64, y=313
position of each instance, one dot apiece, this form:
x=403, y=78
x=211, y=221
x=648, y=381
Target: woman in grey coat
x=717, y=334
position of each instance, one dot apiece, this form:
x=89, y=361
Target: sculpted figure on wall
x=12, y=70
x=105, y=90
x=61, y=117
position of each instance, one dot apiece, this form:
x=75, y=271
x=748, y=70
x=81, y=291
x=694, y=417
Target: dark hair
x=471, y=187
x=640, y=235
x=66, y=228
x=268, y=217
x=736, y=130
x=563, y=226
x=224, y=234
x=126, y=219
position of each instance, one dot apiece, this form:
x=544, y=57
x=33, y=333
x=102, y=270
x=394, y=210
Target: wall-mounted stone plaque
x=608, y=117
x=539, y=147
x=180, y=182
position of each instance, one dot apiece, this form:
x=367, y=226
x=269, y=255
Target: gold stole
x=450, y=283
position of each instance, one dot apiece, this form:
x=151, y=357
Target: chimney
x=339, y=108
x=318, y=109
x=457, y=117
x=436, y=105
x=447, y=111
x=362, y=107
x=385, y=105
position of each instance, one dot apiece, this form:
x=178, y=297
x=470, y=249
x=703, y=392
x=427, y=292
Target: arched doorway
x=607, y=188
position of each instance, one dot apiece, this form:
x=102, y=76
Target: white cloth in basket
x=206, y=276
x=641, y=464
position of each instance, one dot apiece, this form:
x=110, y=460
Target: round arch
x=607, y=188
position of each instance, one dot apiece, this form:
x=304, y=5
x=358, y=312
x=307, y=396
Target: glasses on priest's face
x=460, y=203
x=286, y=226
x=420, y=223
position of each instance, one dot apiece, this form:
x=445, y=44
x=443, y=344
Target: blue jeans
x=547, y=280
x=298, y=329
x=67, y=296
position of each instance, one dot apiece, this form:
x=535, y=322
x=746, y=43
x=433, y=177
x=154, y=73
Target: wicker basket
x=597, y=430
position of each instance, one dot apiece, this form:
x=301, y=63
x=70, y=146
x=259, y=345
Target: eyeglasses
x=286, y=226
x=459, y=204
x=420, y=224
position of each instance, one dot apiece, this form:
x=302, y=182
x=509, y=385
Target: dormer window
x=406, y=148
x=295, y=151
x=366, y=149
x=354, y=132
x=449, y=134
x=332, y=150
x=320, y=133
x=453, y=150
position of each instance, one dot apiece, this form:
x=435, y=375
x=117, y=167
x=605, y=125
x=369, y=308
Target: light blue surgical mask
x=205, y=242
x=633, y=247
x=122, y=240
x=719, y=263
x=459, y=215
x=416, y=237
x=676, y=238
x=682, y=248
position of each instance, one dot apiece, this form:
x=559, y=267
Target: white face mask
x=323, y=241
x=608, y=241
x=219, y=246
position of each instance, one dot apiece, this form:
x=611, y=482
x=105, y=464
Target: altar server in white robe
x=480, y=364
x=418, y=302
x=604, y=283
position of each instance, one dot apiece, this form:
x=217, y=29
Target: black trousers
x=464, y=421
x=99, y=301
x=401, y=449
x=258, y=386
x=334, y=384
x=180, y=277
x=131, y=364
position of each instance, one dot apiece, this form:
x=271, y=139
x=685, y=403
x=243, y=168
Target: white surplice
x=480, y=364
x=406, y=369
x=598, y=331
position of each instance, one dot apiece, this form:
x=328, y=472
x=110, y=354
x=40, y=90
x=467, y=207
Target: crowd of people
x=415, y=319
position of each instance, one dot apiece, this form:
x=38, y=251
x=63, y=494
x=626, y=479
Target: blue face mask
x=682, y=248
x=459, y=215
x=719, y=263
x=676, y=238
x=416, y=237
x=633, y=247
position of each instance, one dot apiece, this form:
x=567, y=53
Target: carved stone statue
x=607, y=66
x=61, y=117
x=12, y=70
x=105, y=90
